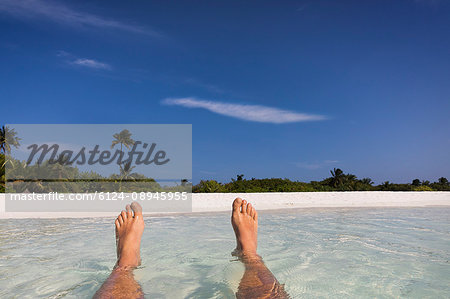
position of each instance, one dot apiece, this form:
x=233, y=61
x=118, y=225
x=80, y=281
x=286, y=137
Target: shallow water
x=317, y=253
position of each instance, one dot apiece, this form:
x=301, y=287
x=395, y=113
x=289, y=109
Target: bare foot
x=244, y=219
x=129, y=229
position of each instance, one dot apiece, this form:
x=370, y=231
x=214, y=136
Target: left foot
x=244, y=220
x=129, y=229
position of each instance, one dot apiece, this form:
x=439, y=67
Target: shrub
x=423, y=188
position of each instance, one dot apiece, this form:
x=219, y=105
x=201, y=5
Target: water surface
x=316, y=253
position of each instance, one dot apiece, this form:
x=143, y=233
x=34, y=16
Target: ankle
x=127, y=263
x=128, y=259
x=250, y=257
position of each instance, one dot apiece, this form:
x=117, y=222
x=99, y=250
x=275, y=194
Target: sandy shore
x=217, y=202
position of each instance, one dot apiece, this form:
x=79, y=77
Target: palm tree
x=386, y=185
x=425, y=183
x=337, y=177
x=416, y=182
x=443, y=181
x=8, y=138
x=367, y=181
x=2, y=173
x=126, y=173
x=350, y=182
x=123, y=138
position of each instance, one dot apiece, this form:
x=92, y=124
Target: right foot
x=129, y=229
x=244, y=219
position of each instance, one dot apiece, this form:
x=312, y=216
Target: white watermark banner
x=154, y=202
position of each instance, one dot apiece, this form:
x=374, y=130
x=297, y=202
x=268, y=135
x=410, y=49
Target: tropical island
x=127, y=181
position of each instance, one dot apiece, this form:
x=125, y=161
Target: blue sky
x=271, y=88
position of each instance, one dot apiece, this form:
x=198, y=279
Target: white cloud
x=313, y=166
x=83, y=62
x=255, y=113
x=310, y=166
x=91, y=63
x=57, y=12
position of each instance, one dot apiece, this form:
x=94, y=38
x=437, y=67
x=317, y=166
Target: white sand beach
x=218, y=202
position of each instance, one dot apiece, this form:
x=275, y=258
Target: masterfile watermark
x=88, y=167
x=104, y=157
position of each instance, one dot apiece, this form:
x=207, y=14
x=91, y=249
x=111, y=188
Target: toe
x=129, y=212
x=244, y=207
x=237, y=204
x=124, y=215
x=252, y=212
x=120, y=219
x=117, y=223
x=249, y=208
x=255, y=216
x=137, y=209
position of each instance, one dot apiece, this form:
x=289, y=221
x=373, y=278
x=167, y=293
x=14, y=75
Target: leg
x=121, y=282
x=258, y=281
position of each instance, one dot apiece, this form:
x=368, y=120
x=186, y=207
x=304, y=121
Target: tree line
x=128, y=181
x=338, y=181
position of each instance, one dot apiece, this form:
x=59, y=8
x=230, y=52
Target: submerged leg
x=121, y=282
x=258, y=281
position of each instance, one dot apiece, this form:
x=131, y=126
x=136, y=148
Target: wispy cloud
x=57, y=12
x=83, y=62
x=255, y=113
x=91, y=63
x=315, y=165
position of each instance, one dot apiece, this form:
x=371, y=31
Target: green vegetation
x=8, y=138
x=2, y=173
x=423, y=188
x=337, y=182
x=60, y=177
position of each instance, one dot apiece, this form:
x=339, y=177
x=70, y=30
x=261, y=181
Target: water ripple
x=316, y=253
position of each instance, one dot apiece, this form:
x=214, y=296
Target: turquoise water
x=317, y=253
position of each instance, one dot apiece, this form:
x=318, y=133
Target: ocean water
x=316, y=253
